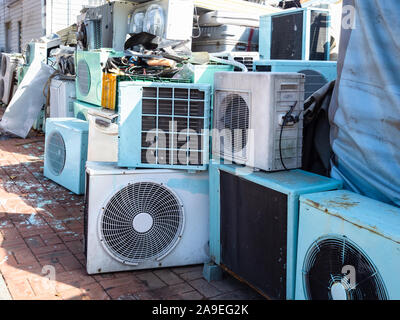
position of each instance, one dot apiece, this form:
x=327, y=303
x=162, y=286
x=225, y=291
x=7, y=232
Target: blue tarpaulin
x=365, y=108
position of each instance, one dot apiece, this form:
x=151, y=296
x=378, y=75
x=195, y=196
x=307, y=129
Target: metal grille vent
x=314, y=82
x=173, y=124
x=84, y=78
x=233, y=116
x=323, y=276
x=97, y=34
x=4, y=65
x=247, y=61
x=56, y=153
x=1, y=88
x=142, y=221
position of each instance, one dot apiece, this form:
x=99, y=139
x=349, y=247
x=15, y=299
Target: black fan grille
x=83, y=74
x=323, y=268
x=1, y=88
x=56, y=153
x=4, y=65
x=131, y=242
x=234, y=117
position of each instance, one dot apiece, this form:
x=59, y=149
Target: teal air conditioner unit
x=81, y=110
x=254, y=223
x=89, y=74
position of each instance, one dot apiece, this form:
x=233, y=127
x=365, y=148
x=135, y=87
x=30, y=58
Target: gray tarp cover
x=28, y=100
x=365, y=108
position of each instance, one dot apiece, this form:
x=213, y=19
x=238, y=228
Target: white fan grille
x=56, y=153
x=83, y=74
x=140, y=222
x=233, y=116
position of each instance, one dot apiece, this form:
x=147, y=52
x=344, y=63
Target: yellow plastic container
x=109, y=91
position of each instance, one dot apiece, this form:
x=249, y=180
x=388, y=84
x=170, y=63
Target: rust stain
x=373, y=229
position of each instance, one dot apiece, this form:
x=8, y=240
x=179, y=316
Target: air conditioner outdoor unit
x=253, y=224
x=258, y=119
x=89, y=73
x=144, y=219
x=348, y=248
x=166, y=19
x=62, y=97
x=66, y=152
x=246, y=58
x=299, y=34
x=104, y=26
x=164, y=125
x=318, y=73
x=103, y=135
x=9, y=64
x=81, y=110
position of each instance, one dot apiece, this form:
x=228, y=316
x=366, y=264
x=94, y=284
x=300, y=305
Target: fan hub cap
x=143, y=222
x=338, y=291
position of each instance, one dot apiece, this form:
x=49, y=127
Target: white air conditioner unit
x=258, y=119
x=9, y=64
x=105, y=26
x=167, y=19
x=144, y=219
x=62, y=97
x=103, y=135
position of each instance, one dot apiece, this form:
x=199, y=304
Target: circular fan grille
x=324, y=277
x=83, y=74
x=140, y=222
x=56, y=153
x=1, y=88
x=236, y=120
x=3, y=65
x=314, y=82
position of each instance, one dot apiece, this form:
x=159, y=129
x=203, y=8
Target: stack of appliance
x=255, y=184
x=137, y=148
x=298, y=40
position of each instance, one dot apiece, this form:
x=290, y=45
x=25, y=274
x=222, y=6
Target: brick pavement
x=41, y=224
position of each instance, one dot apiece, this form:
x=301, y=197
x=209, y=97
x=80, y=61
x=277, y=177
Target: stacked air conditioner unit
x=317, y=73
x=164, y=125
x=348, y=248
x=254, y=223
x=222, y=31
x=258, y=119
x=299, y=34
x=144, y=219
x=8, y=67
x=105, y=26
x=168, y=20
x=66, y=152
x=62, y=97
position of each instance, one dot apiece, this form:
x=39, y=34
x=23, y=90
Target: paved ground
x=41, y=224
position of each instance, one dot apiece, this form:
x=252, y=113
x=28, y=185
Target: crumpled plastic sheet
x=27, y=102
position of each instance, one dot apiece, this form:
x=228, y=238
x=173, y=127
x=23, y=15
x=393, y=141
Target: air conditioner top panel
x=294, y=182
x=302, y=63
x=291, y=11
x=363, y=212
x=111, y=168
x=103, y=113
x=197, y=86
x=70, y=124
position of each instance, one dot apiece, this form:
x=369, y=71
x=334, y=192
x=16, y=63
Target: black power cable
x=287, y=119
